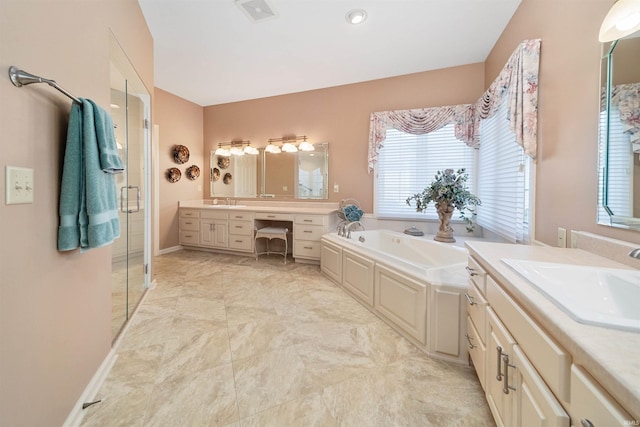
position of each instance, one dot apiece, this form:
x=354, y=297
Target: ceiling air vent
x=256, y=10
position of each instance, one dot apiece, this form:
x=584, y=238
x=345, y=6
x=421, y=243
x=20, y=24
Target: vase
x=445, y=232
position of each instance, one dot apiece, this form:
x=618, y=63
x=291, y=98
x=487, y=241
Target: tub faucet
x=635, y=253
x=350, y=226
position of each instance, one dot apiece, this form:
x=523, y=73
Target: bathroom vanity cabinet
x=232, y=228
x=528, y=353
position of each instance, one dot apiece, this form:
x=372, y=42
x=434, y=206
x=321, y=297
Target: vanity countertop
x=317, y=208
x=611, y=356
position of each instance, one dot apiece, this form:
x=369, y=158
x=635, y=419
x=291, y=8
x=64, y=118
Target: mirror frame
x=604, y=129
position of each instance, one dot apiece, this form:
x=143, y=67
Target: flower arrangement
x=448, y=191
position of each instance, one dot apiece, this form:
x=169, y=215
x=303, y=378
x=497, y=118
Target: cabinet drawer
x=551, y=360
x=241, y=243
x=241, y=216
x=307, y=232
x=274, y=216
x=477, y=310
x=477, y=275
x=214, y=214
x=590, y=402
x=189, y=238
x=306, y=249
x=477, y=351
x=189, y=213
x=244, y=228
x=189, y=224
x=311, y=219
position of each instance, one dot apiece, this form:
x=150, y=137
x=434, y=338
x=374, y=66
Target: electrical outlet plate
x=562, y=237
x=18, y=185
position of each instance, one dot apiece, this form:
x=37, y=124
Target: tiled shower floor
x=231, y=341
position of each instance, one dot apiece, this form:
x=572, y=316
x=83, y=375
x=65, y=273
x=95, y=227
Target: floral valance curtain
x=627, y=98
x=518, y=81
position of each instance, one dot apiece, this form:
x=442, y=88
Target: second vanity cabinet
x=529, y=378
x=214, y=229
x=307, y=230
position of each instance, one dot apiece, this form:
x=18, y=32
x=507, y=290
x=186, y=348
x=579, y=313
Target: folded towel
x=71, y=186
x=352, y=213
x=88, y=196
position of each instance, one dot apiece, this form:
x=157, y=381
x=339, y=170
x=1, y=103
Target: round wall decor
x=223, y=162
x=174, y=174
x=227, y=178
x=193, y=172
x=216, y=174
x=180, y=154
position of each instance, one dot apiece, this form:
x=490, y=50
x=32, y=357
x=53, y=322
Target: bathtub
x=416, y=285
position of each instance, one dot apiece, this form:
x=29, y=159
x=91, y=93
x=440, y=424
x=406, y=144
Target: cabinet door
x=534, y=404
x=206, y=232
x=221, y=234
x=499, y=343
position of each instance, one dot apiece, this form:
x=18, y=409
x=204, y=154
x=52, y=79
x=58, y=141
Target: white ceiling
x=210, y=52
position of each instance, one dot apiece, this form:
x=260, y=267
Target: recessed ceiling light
x=356, y=16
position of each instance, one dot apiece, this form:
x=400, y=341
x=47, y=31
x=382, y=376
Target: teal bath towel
x=88, y=196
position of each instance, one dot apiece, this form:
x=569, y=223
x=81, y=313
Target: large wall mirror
x=299, y=175
x=619, y=135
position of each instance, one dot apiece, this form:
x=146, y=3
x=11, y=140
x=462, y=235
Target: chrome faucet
x=350, y=226
x=635, y=253
x=341, y=228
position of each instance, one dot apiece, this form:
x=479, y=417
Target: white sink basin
x=607, y=297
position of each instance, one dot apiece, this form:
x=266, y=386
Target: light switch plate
x=18, y=185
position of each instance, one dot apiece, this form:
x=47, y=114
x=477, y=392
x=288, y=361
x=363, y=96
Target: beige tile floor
x=231, y=341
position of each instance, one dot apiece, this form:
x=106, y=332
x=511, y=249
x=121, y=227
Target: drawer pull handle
x=507, y=365
x=307, y=220
x=307, y=231
x=471, y=345
x=271, y=216
x=308, y=247
x=238, y=241
x=188, y=223
x=470, y=299
x=498, y=367
x=471, y=271
x=188, y=236
x=239, y=226
x=586, y=423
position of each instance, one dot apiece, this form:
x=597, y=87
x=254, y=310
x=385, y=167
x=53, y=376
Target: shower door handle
x=122, y=199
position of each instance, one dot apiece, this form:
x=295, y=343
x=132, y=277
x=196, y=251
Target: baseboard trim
x=169, y=250
x=77, y=413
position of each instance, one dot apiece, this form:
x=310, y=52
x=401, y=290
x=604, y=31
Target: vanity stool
x=272, y=233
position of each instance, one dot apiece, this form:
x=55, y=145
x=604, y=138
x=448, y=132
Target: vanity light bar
x=235, y=148
x=289, y=144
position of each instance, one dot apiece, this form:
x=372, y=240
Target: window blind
x=408, y=163
x=503, y=180
x=620, y=158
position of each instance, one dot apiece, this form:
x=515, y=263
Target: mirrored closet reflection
x=130, y=108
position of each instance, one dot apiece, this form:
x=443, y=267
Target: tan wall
x=55, y=308
x=567, y=180
x=340, y=116
x=180, y=123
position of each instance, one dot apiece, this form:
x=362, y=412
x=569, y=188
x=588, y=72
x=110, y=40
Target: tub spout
x=635, y=253
x=350, y=226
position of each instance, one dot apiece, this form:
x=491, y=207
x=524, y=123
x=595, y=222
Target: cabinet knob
x=469, y=299
x=586, y=423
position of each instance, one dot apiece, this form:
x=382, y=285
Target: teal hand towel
x=88, y=196
x=110, y=161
